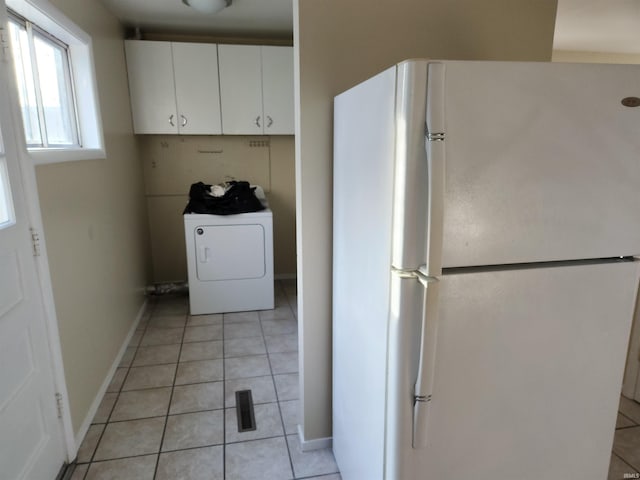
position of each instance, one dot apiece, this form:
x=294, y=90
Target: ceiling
x=251, y=18
x=584, y=25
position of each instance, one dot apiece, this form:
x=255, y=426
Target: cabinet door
x=195, y=67
x=151, y=86
x=277, y=90
x=240, y=89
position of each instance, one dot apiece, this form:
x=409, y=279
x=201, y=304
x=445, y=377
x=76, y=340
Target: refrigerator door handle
x=423, y=392
x=435, y=147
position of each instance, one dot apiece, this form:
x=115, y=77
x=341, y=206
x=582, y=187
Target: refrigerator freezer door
x=527, y=378
x=541, y=162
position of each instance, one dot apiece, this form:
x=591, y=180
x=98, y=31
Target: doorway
x=32, y=435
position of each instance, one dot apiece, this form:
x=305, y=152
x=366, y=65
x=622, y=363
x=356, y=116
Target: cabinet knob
x=171, y=121
x=184, y=120
x=269, y=121
x=258, y=121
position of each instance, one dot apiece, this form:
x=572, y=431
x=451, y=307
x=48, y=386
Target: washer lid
x=207, y=218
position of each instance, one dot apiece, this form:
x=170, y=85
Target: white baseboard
x=84, y=428
x=285, y=276
x=315, y=444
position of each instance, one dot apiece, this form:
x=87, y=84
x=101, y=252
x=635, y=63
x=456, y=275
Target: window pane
x=26, y=86
x=6, y=212
x=5, y=203
x=56, y=100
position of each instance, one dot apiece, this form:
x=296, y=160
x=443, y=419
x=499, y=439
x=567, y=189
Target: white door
x=241, y=89
x=195, y=67
x=31, y=438
x=151, y=86
x=277, y=90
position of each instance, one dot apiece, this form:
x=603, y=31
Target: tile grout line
x=295, y=315
x=284, y=429
x=625, y=462
x=197, y=447
x=166, y=418
x=95, y=450
x=149, y=324
x=628, y=427
x=224, y=401
x=634, y=423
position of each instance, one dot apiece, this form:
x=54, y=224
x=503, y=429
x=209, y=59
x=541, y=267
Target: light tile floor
x=625, y=459
x=169, y=412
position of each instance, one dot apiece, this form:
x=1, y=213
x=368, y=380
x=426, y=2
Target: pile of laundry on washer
x=227, y=198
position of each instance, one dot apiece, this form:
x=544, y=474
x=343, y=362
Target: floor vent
x=244, y=411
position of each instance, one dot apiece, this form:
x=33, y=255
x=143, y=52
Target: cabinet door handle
x=258, y=121
x=184, y=120
x=269, y=121
x=171, y=121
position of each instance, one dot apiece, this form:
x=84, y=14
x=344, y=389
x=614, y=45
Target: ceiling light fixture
x=207, y=6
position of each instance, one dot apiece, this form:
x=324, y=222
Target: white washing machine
x=230, y=262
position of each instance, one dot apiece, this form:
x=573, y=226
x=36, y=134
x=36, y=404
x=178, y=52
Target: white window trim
x=49, y=18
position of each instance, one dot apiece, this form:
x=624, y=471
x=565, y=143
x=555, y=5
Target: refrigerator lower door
x=528, y=369
x=407, y=301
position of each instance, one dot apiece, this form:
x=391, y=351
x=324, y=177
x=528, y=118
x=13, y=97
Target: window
x=5, y=197
x=6, y=210
x=56, y=83
x=41, y=64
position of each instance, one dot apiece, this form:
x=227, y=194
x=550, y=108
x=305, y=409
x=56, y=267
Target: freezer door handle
x=423, y=392
x=435, y=147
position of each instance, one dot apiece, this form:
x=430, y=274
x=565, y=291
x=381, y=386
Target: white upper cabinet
x=151, y=86
x=277, y=90
x=241, y=89
x=174, y=87
x=256, y=89
x=195, y=68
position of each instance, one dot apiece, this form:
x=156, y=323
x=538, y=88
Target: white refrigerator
x=486, y=219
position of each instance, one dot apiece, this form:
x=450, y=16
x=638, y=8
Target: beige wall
x=339, y=44
x=95, y=225
x=594, y=57
x=172, y=163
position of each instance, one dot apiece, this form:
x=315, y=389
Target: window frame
x=49, y=19
x=34, y=32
